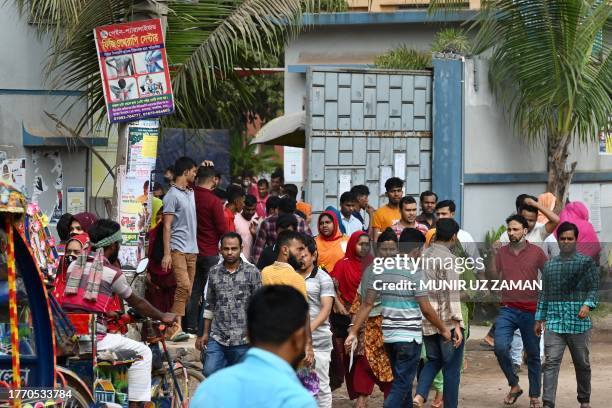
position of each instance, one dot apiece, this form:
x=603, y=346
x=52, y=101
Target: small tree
x=403, y=57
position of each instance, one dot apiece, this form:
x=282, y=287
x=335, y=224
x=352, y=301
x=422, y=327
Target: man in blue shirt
x=266, y=378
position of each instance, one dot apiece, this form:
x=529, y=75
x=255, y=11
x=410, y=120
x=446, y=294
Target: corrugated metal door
x=364, y=126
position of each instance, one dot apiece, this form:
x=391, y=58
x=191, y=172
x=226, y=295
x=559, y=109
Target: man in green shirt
x=569, y=292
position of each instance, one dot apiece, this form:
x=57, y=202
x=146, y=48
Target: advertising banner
x=135, y=187
x=134, y=69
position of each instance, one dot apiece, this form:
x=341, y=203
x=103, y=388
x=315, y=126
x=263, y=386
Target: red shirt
x=229, y=218
x=520, y=267
x=211, y=221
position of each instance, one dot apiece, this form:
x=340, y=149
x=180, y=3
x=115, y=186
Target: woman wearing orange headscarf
x=331, y=244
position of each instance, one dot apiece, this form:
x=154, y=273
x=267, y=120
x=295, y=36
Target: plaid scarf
x=96, y=270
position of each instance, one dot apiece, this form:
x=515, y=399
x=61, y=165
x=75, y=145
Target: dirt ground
x=483, y=385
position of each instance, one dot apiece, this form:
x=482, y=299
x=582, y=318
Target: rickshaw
x=27, y=337
x=32, y=323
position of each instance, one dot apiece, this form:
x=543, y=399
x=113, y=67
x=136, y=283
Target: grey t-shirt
x=318, y=285
x=181, y=203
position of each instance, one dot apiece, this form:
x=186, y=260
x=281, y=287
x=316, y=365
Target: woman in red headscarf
x=75, y=246
x=370, y=364
x=331, y=244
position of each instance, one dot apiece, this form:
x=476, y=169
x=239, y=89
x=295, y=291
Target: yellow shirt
x=384, y=217
x=280, y=273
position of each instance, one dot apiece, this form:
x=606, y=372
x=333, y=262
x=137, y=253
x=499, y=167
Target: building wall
x=493, y=148
x=24, y=97
x=394, y=5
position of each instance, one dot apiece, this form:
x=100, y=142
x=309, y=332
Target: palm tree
x=205, y=41
x=551, y=69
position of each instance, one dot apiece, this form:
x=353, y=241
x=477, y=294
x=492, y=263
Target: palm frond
x=205, y=40
x=543, y=64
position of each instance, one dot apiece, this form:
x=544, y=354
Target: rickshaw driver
x=91, y=283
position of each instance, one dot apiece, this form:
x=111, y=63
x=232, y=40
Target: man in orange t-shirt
x=388, y=214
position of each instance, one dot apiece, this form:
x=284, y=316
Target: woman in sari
x=161, y=284
x=371, y=365
x=331, y=244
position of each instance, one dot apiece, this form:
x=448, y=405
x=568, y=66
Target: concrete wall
x=24, y=97
x=492, y=147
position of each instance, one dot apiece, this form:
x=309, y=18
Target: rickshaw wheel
x=79, y=399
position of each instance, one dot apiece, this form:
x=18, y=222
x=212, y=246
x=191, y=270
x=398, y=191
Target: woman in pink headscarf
x=588, y=242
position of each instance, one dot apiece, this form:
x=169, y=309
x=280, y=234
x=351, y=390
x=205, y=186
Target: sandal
x=179, y=336
x=417, y=404
x=438, y=404
x=513, y=397
x=535, y=403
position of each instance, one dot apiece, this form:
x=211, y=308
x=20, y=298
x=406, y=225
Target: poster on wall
x=134, y=69
x=605, y=143
x=14, y=173
x=48, y=183
x=135, y=186
x=75, y=200
x=590, y=195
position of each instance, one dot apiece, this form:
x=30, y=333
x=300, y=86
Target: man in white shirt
x=538, y=234
x=364, y=210
x=446, y=209
x=348, y=205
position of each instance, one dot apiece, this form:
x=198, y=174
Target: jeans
x=404, y=358
x=322, y=360
x=516, y=348
x=443, y=356
x=194, y=307
x=508, y=321
x=554, y=347
x=218, y=356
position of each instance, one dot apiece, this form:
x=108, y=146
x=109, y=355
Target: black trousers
x=192, y=311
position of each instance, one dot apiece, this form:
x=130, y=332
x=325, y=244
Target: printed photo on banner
x=150, y=85
x=149, y=62
x=123, y=89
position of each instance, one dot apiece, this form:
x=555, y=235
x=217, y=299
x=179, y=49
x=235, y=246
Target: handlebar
x=138, y=318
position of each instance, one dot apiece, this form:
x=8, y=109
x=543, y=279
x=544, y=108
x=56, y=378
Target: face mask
x=167, y=180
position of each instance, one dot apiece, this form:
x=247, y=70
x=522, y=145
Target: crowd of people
x=241, y=269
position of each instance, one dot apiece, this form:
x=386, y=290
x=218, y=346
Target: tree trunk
x=559, y=175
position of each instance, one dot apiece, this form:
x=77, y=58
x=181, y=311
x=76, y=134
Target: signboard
x=134, y=69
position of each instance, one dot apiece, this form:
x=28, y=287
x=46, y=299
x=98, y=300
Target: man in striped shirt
x=404, y=304
x=569, y=292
